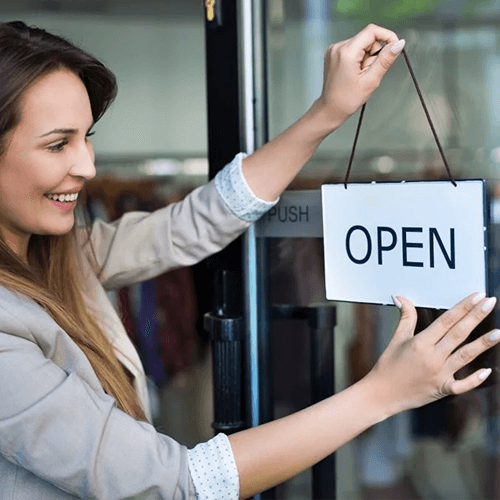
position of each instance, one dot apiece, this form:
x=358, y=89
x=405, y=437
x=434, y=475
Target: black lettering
x=304, y=212
x=368, y=244
x=293, y=213
x=450, y=258
x=271, y=213
x=279, y=214
x=407, y=245
x=387, y=248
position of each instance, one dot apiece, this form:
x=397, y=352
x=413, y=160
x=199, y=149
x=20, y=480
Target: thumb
x=408, y=320
x=386, y=58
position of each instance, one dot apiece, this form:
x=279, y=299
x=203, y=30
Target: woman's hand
x=351, y=75
x=352, y=72
x=412, y=371
x=416, y=370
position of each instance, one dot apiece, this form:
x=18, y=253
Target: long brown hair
x=52, y=276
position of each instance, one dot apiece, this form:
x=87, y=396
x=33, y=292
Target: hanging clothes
x=148, y=334
x=159, y=315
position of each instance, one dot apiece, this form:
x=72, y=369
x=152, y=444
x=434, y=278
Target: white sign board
x=422, y=240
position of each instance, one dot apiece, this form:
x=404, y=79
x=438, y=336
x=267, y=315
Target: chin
x=62, y=231
x=57, y=229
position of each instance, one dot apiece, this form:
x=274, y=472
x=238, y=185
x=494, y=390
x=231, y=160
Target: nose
x=84, y=165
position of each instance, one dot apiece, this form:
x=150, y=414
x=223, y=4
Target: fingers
x=375, y=48
x=468, y=383
x=385, y=59
x=370, y=56
x=408, y=321
x=462, y=329
x=352, y=72
x=369, y=41
x=472, y=350
x=370, y=35
x=435, y=332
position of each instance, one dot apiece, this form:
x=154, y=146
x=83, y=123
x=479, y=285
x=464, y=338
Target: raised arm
x=412, y=371
x=351, y=75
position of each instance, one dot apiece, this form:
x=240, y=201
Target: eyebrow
x=65, y=131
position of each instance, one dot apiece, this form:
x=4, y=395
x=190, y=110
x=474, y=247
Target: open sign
x=423, y=240
x=433, y=240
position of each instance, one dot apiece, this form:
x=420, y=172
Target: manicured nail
x=494, y=335
x=398, y=47
x=484, y=374
x=477, y=297
x=489, y=304
x=397, y=302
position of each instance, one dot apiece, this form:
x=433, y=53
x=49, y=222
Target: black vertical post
x=221, y=42
x=322, y=322
x=266, y=389
x=224, y=142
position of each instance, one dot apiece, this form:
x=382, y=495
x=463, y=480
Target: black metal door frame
x=235, y=34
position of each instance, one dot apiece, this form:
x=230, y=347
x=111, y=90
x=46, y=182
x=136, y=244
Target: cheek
x=14, y=180
x=28, y=177
x=33, y=179
x=22, y=185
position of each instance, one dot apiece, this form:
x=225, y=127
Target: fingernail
x=398, y=47
x=484, y=374
x=397, y=302
x=477, y=297
x=489, y=304
x=494, y=335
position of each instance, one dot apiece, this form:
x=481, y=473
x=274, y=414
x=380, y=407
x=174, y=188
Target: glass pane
x=447, y=450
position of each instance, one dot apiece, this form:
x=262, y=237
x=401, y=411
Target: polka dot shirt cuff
x=213, y=470
x=235, y=191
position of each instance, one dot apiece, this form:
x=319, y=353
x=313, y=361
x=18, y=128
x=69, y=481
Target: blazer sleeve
x=56, y=425
x=142, y=245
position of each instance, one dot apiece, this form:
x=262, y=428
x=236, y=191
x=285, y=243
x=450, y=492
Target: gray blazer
x=61, y=436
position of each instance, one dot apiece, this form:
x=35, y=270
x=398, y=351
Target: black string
x=354, y=144
x=419, y=92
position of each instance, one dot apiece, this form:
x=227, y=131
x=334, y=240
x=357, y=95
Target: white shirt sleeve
x=213, y=470
x=235, y=191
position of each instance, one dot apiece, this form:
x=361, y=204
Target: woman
x=73, y=413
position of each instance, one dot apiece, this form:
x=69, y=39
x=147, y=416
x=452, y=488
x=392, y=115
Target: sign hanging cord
x=419, y=92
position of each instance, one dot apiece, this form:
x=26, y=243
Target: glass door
x=449, y=449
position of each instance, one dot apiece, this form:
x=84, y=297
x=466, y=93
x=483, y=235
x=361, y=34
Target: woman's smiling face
x=47, y=160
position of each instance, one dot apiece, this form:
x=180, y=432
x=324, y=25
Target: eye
x=89, y=134
x=57, y=148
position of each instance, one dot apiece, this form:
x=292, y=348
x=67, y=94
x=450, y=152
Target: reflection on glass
x=448, y=450
x=453, y=49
